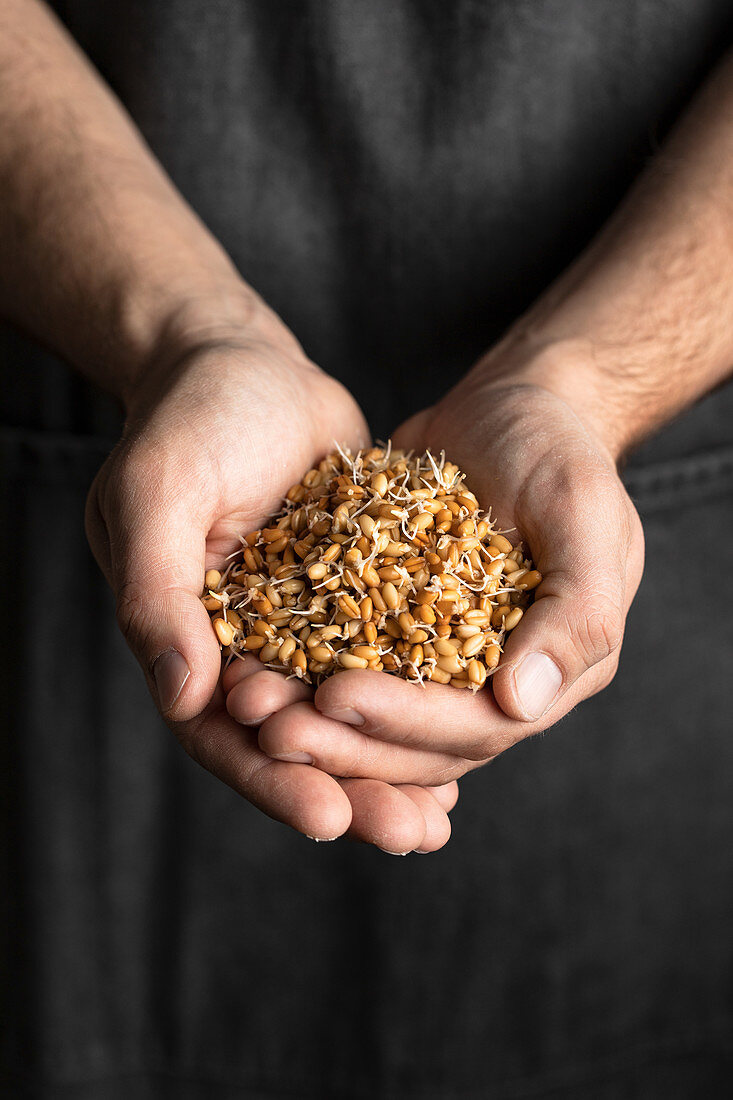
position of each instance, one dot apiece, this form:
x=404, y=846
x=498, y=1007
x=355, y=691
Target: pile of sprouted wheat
x=378, y=560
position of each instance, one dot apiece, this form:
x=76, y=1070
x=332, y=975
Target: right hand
x=212, y=442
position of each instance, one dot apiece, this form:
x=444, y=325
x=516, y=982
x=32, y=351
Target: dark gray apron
x=399, y=180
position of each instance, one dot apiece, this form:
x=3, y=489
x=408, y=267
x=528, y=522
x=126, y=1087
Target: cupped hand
x=552, y=482
x=214, y=437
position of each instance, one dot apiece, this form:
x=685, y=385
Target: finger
x=437, y=822
x=579, y=528
x=384, y=816
x=300, y=733
x=397, y=820
x=266, y=692
x=446, y=795
x=438, y=717
x=304, y=798
x=157, y=547
x=240, y=668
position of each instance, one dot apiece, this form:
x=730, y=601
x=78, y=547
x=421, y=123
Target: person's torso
x=399, y=180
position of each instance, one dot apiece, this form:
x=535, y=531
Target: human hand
x=551, y=475
x=214, y=437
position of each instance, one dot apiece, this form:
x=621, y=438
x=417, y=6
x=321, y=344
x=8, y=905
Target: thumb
x=584, y=544
x=153, y=551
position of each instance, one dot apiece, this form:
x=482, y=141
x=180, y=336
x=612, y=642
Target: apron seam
x=640, y=1055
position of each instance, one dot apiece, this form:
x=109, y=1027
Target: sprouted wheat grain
x=378, y=560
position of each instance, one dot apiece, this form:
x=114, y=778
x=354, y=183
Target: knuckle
x=609, y=674
x=484, y=748
x=446, y=773
x=599, y=631
x=483, y=763
x=132, y=615
x=476, y=753
x=608, y=671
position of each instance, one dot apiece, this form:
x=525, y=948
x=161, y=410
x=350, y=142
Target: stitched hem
x=681, y=481
x=705, y=1048
x=51, y=457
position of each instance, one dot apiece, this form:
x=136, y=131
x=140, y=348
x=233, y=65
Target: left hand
x=529, y=455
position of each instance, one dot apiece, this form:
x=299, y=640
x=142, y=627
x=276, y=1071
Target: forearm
x=101, y=258
x=642, y=324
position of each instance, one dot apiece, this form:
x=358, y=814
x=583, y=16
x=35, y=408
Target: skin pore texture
x=104, y=263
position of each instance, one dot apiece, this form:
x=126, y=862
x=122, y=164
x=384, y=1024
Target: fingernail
x=321, y=839
x=294, y=758
x=348, y=716
x=538, y=681
x=170, y=672
x=394, y=853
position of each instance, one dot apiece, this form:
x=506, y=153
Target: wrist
x=566, y=368
x=617, y=405
x=224, y=312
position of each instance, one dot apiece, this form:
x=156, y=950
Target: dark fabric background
x=399, y=180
